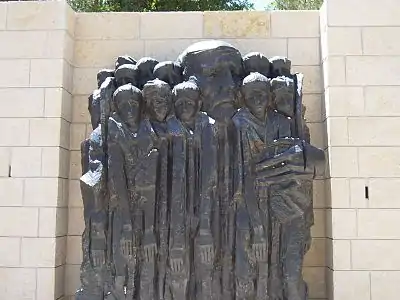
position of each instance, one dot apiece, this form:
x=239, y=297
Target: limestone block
x=270, y=47
x=5, y=155
x=58, y=103
x=55, y=162
x=319, y=199
x=19, y=221
x=9, y=251
x=342, y=223
x=318, y=134
x=161, y=49
x=19, y=77
x=383, y=193
x=381, y=255
x=80, y=112
x=315, y=257
x=315, y=278
x=49, y=15
x=72, y=279
x=343, y=161
x=313, y=104
x=43, y=192
x=47, y=73
x=18, y=277
x=379, y=161
x=74, y=252
x=338, y=193
x=35, y=44
x=237, y=24
x=342, y=41
x=344, y=101
x=368, y=70
x=11, y=191
x=75, y=171
x=50, y=283
x=378, y=223
x=381, y=41
x=15, y=132
x=78, y=134
x=53, y=222
x=338, y=254
x=382, y=101
x=180, y=25
x=357, y=193
x=71, y=20
x=295, y=24
x=334, y=70
x=76, y=223
x=312, y=78
x=102, y=53
x=46, y=132
x=102, y=26
x=381, y=131
x=385, y=285
x=342, y=13
x=351, y=285
x=75, y=198
x=3, y=15
x=304, y=51
x=337, y=131
x=43, y=252
x=318, y=230
x=26, y=161
x=84, y=80
x=21, y=103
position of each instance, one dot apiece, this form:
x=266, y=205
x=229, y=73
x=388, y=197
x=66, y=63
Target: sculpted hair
x=254, y=77
x=127, y=70
x=185, y=86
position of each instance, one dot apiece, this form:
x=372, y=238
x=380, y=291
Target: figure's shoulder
x=241, y=118
x=204, y=120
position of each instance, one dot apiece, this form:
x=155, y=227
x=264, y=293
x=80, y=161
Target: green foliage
x=295, y=4
x=159, y=5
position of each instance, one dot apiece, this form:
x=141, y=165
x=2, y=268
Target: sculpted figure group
x=197, y=179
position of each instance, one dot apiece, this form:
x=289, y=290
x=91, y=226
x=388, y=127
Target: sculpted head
x=256, y=94
x=169, y=72
x=283, y=91
x=280, y=66
x=218, y=68
x=125, y=74
x=187, y=101
x=124, y=60
x=158, y=99
x=256, y=62
x=102, y=75
x=145, y=67
x=128, y=104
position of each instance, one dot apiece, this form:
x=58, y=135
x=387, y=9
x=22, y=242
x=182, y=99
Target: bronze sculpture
x=197, y=179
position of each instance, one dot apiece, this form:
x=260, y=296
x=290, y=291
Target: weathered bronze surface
x=197, y=179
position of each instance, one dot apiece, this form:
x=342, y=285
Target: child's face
x=159, y=105
x=284, y=100
x=129, y=110
x=256, y=97
x=187, y=105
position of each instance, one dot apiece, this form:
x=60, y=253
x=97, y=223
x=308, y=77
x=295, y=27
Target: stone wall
x=49, y=59
x=35, y=115
x=361, y=62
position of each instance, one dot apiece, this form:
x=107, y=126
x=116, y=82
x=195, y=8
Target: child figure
x=201, y=177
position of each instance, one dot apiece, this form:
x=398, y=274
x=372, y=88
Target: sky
x=260, y=4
